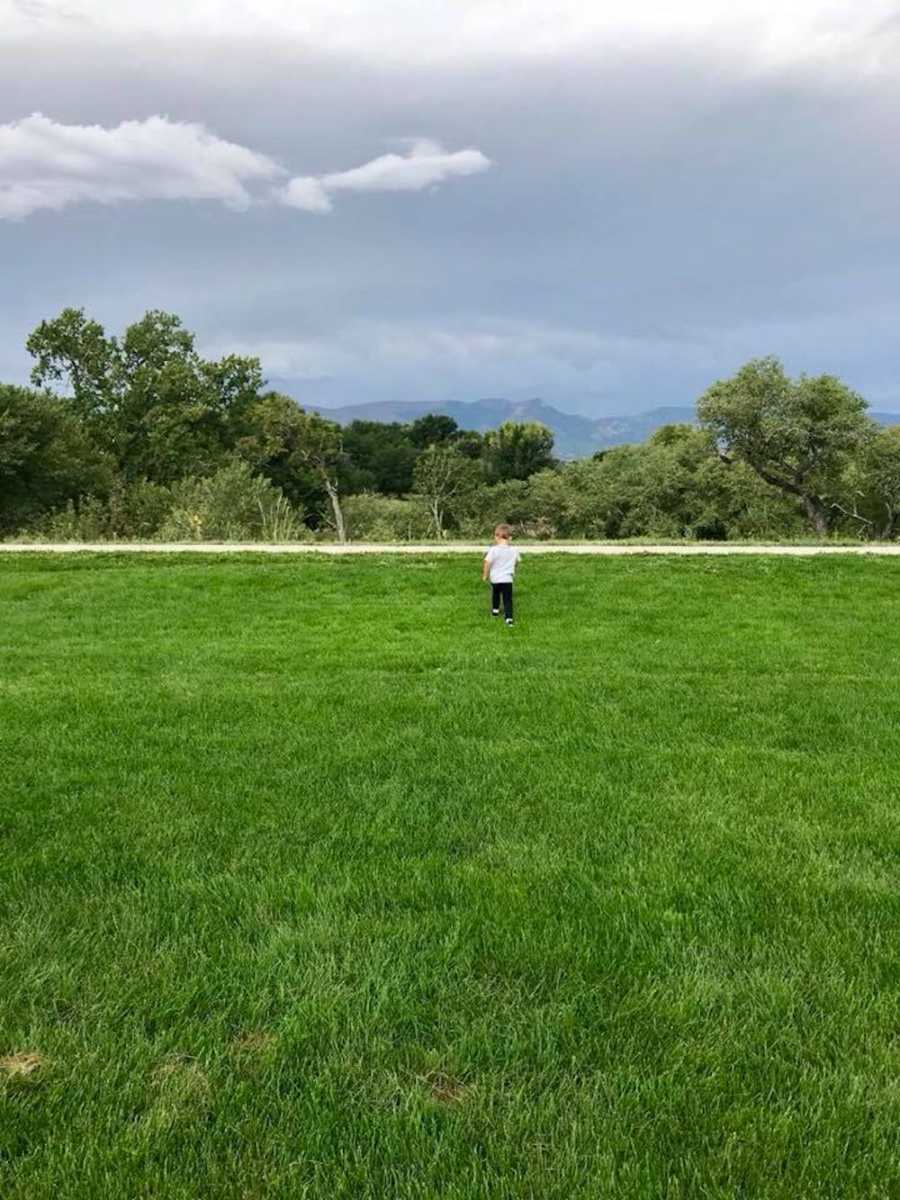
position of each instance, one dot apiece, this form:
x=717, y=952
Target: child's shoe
x=509, y=620
x=495, y=612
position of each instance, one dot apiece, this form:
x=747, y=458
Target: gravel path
x=603, y=548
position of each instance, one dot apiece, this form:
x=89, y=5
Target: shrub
x=509, y=502
x=130, y=512
x=231, y=505
x=370, y=517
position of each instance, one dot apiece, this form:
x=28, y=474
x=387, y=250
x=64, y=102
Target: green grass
x=315, y=882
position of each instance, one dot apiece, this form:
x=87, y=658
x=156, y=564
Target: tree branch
x=856, y=516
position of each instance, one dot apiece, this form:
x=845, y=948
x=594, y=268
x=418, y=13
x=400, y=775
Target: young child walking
x=499, y=565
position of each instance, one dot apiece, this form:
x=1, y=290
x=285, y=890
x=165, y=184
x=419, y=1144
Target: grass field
x=315, y=882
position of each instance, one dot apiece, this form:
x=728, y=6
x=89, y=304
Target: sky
x=604, y=206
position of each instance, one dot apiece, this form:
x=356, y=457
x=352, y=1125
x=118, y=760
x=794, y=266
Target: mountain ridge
x=575, y=436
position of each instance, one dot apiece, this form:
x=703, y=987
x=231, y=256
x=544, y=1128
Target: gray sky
x=410, y=199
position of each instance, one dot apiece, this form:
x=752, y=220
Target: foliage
x=130, y=512
x=486, y=506
x=444, y=478
x=432, y=430
x=872, y=485
x=517, y=450
x=149, y=400
x=46, y=457
x=145, y=410
x=378, y=457
x=370, y=517
x=798, y=435
x=301, y=452
x=232, y=505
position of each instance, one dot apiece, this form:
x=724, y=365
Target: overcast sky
x=606, y=206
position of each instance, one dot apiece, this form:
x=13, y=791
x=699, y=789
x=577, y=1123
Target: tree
x=74, y=352
x=150, y=399
x=46, y=457
x=380, y=457
x=287, y=444
x=320, y=447
x=516, y=450
x=872, y=484
x=469, y=442
x=442, y=478
x=797, y=435
x=882, y=466
x=433, y=429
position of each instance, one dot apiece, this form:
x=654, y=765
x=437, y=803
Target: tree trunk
x=817, y=513
x=438, y=517
x=336, y=509
x=889, y=528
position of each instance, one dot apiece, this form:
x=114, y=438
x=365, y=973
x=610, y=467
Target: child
x=500, y=564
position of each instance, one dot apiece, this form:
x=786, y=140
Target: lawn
x=317, y=882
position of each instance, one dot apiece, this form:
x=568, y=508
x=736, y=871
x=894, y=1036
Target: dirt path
x=602, y=548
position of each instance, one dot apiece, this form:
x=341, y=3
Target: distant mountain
x=575, y=436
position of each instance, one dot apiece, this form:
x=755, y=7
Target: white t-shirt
x=502, y=561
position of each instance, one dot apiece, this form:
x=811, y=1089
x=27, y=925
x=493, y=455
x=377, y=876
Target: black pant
x=503, y=590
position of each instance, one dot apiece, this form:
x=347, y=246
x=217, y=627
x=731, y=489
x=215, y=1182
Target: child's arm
x=485, y=567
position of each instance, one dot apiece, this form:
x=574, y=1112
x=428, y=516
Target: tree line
x=139, y=436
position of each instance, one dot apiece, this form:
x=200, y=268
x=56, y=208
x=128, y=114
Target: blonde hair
x=502, y=531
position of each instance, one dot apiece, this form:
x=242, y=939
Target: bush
x=370, y=517
x=131, y=512
x=231, y=505
x=507, y=503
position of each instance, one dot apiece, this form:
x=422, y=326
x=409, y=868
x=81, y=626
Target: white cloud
x=434, y=30
x=426, y=164
x=306, y=192
x=46, y=165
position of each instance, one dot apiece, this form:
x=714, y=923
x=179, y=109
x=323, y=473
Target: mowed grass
x=316, y=882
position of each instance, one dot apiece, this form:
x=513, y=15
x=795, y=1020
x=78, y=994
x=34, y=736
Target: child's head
x=502, y=533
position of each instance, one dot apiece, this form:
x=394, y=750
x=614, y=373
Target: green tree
x=443, y=478
x=872, y=487
x=46, y=457
x=433, y=429
x=380, y=457
x=797, y=435
x=291, y=447
x=517, y=450
x=150, y=399
x=73, y=353
x=469, y=442
x=881, y=464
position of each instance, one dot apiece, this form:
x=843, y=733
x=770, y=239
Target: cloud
x=46, y=165
x=426, y=165
x=440, y=30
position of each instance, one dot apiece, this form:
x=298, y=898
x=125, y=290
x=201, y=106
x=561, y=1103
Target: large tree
x=517, y=450
x=148, y=398
x=797, y=434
